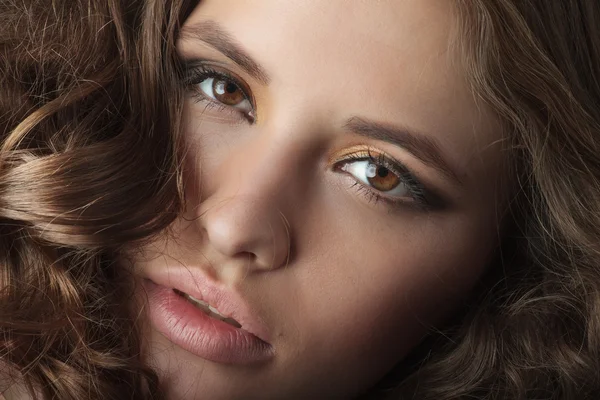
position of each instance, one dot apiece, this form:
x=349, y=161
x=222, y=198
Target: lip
x=196, y=332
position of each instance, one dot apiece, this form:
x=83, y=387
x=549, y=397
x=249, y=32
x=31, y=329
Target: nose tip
x=246, y=228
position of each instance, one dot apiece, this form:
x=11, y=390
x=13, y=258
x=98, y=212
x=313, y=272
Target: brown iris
x=227, y=92
x=384, y=179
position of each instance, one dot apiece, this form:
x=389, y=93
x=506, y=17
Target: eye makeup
x=418, y=195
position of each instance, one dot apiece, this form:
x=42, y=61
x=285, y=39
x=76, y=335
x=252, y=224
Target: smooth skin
x=298, y=196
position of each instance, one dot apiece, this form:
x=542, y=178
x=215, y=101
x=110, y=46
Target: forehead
x=388, y=37
x=393, y=60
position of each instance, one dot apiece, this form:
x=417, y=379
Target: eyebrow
x=211, y=33
x=421, y=146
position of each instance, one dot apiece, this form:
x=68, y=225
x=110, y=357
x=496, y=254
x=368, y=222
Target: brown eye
x=227, y=92
x=382, y=178
x=377, y=177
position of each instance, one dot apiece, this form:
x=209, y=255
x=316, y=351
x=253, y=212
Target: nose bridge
x=259, y=170
x=273, y=167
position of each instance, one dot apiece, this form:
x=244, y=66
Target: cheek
x=369, y=299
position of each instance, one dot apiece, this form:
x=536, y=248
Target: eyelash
x=422, y=198
x=197, y=72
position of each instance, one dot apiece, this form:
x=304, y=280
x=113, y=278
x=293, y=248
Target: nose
x=250, y=229
x=252, y=197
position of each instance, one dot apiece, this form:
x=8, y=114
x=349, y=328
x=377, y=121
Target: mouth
x=210, y=323
x=208, y=309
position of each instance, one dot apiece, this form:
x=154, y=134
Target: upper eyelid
x=217, y=66
x=375, y=156
x=198, y=67
x=421, y=145
x=395, y=166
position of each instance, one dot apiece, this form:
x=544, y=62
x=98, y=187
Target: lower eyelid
x=354, y=185
x=235, y=118
x=200, y=97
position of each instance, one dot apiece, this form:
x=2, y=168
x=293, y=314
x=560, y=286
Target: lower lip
x=191, y=329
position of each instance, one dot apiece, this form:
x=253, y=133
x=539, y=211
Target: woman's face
x=341, y=191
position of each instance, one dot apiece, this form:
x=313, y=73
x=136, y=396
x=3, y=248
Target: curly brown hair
x=89, y=112
x=90, y=107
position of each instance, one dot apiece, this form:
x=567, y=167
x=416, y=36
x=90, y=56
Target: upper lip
x=195, y=283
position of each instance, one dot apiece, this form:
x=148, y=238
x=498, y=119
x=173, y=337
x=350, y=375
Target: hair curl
x=89, y=114
x=90, y=109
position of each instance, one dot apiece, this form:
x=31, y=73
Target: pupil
x=231, y=88
x=383, y=172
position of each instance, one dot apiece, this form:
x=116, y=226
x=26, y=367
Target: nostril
x=248, y=256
